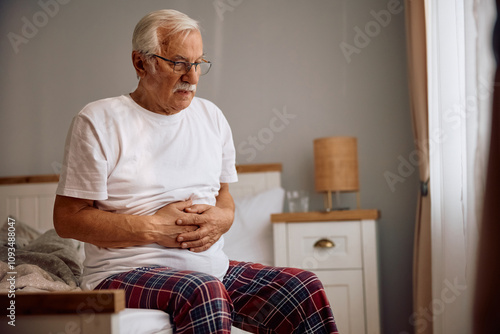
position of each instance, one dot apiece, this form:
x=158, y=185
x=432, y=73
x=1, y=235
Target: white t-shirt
x=130, y=160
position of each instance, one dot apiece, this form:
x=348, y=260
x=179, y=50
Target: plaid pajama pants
x=253, y=297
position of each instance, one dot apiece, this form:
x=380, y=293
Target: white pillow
x=251, y=236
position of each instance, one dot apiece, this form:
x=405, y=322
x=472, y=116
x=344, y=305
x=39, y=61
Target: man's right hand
x=165, y=223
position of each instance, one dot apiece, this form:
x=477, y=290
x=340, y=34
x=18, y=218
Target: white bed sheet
x=135, y=321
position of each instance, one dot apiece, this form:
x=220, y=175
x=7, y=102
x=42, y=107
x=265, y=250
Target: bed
x=48, y=299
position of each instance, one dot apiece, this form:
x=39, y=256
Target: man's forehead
x=181, y=44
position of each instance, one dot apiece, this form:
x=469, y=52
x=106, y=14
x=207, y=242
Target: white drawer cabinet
x=340, y=247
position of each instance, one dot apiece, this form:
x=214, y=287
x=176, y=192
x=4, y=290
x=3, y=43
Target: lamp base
x=329, y=205
x=336, y=209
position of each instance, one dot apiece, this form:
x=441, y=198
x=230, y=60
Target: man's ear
x=139, y=64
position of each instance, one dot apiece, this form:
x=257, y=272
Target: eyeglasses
x=183, y=67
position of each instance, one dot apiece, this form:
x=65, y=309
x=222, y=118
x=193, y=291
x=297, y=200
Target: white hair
x=145, y=37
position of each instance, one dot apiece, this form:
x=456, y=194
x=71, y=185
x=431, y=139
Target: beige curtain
x=487, y=298
x=417, y=70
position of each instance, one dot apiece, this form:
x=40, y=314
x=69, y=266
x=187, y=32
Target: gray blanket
x=56, y=256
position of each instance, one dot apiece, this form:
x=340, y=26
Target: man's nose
x=192, y=75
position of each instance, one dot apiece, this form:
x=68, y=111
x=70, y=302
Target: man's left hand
x=213, y=222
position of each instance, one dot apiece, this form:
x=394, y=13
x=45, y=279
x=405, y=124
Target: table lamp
x=336, y=168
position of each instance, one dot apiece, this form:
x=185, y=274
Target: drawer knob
x=324, y=243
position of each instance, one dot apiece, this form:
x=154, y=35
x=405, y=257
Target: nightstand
x=340, y=247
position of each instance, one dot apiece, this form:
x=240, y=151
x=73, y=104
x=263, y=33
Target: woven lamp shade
x=336, y=164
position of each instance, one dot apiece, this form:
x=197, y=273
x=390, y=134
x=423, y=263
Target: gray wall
x=270, y=58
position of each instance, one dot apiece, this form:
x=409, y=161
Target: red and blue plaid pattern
x=253, y=297
x=278, y=300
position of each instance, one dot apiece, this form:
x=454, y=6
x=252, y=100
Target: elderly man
x=145, y=185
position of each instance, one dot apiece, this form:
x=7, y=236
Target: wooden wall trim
x=259, y=168
x=254, y=168
x=29, y=179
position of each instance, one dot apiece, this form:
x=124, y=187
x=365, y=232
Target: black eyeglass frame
x=187, y=64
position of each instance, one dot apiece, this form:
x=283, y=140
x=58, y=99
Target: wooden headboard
x=30, y=199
